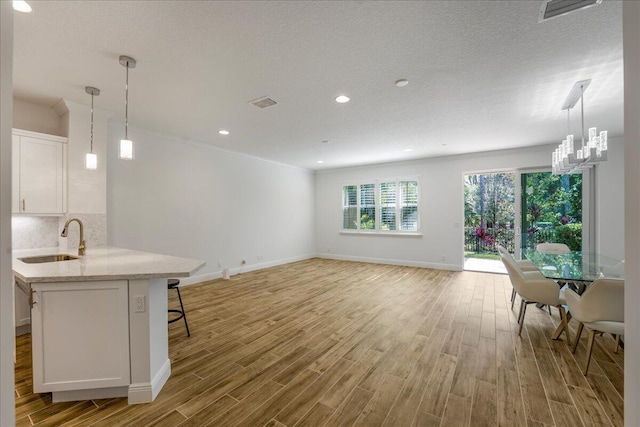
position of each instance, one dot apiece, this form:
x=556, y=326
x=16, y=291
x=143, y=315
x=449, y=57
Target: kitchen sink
x=47, y=258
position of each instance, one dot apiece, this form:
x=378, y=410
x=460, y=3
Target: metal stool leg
x=181, y=312
x=184, y=313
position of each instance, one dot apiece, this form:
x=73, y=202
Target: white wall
x=36, y=118
x=195, y=201
x=87, y=188
x=7, y=403
x=441, y=206
x=631, y=36
x=610, y=202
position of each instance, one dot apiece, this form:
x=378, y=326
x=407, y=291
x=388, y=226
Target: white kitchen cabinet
x=39, y=173
x=80, y=336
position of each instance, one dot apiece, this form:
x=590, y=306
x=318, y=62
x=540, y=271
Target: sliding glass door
x=553, y=208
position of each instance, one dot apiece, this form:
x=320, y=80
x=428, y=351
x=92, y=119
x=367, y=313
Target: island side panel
x=80, y=336
x=149, y=339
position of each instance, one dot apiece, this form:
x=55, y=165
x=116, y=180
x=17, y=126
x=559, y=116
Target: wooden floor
x=323, y=342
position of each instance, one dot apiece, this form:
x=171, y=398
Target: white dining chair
x=601, y=309
x=553, y=248
x=523, y=264
x=614, y=271
x=534, y=288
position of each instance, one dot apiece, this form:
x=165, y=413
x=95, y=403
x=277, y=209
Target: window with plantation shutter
x=350, y=207
x=409, y=205
x=385, y=206
x=367, y=207
x=388, y=206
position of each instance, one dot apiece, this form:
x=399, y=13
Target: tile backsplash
x=31, y=232
x=95, y=230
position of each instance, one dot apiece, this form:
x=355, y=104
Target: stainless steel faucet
x=65, y=229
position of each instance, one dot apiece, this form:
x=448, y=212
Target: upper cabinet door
x=41, y=177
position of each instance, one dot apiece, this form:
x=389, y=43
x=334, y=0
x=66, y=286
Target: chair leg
x=617, y=343
x=523, y=311
x=549, y=307
x=513, y=297
x=565, y=322
x=184, y=313
x=520, y=310
x=592, y=337
x=578, y=333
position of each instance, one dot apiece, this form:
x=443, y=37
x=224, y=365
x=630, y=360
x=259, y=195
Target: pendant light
x=566, y=158
x=125, y=150
x=91, y=159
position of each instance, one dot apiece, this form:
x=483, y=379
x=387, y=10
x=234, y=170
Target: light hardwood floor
x=323, y=342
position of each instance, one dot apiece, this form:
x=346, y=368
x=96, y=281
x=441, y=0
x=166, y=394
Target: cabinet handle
x=24, y=205
x=31, y=299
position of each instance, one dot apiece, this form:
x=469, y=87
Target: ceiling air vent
x=263, y=102
x=554, y=8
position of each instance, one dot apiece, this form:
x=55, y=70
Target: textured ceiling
x=483, y=75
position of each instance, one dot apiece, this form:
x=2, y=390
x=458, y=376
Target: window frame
x=378, y=207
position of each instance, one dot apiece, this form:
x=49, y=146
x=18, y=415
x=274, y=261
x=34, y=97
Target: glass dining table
x=575, y=269
x=575, y=266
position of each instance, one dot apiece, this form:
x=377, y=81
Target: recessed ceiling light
x=408, y=149
x=324, y=141
x=21, y=6
x=444, y=145
x=223, y=132
x=320, y=162
x=342, y=99
x=402, y=82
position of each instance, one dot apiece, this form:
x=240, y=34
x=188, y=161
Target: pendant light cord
x=126, y=106
x=91, y=122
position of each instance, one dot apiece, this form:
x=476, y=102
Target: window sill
x=382, y=233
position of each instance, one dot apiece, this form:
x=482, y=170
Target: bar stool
x=173, y=284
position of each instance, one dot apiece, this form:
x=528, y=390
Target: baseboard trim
x=406, y=263
x=186, y=281
x=95, y=393
x=147, y=392
x=23, y=329
x=243, y=269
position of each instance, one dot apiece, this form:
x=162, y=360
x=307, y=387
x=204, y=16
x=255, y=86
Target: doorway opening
x=489, y=219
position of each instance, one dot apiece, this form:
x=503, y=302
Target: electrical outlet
x=140, y=303
x=243, y=261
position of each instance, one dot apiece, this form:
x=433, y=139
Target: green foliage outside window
x=570, y=235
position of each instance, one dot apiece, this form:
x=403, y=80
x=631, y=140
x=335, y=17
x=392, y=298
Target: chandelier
x=569, y=159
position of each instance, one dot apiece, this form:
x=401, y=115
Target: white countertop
x=106, y=263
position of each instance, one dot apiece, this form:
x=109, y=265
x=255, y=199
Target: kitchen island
x=99, y=321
